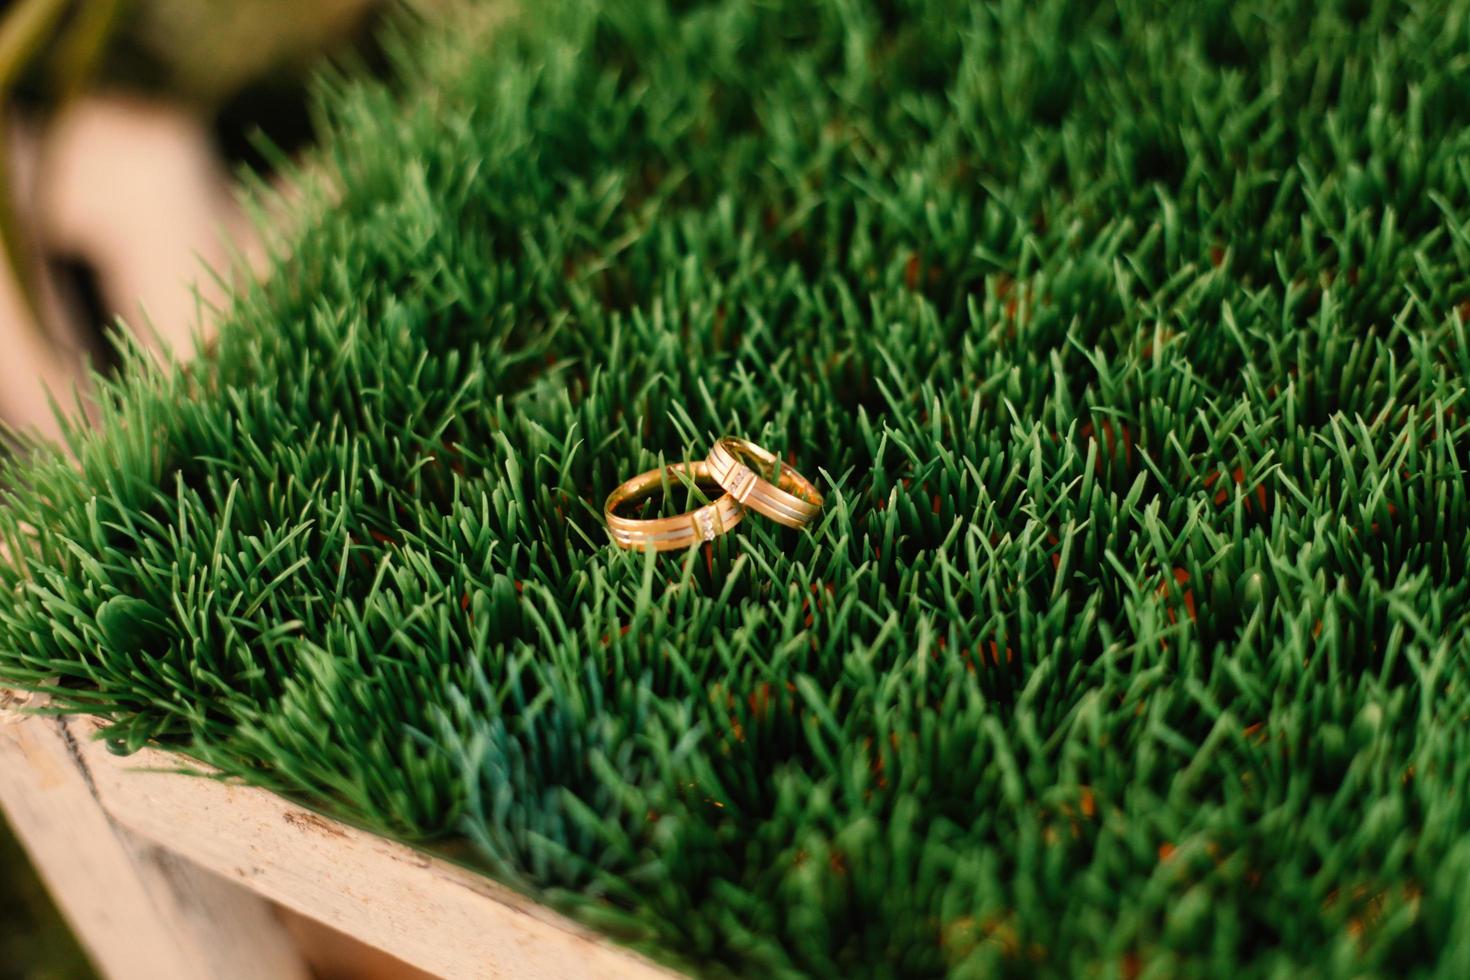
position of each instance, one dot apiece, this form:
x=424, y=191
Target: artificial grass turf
x=1129, y=341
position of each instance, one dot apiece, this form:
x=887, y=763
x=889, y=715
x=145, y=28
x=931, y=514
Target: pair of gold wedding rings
x=735, y=465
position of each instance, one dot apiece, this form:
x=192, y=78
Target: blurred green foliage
x=35, y=943
x=1130, y=340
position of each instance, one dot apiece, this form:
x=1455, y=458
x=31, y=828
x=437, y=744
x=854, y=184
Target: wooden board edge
x=426, y=911
x=140, y=911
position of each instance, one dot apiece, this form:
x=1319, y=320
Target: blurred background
x=35, y=943
x=125, y=126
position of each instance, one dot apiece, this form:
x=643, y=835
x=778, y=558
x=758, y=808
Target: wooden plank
x=141, y=912
x=335, y=956
x=427, y=912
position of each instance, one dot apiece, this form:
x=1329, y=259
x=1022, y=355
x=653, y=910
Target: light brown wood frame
x=171, y=876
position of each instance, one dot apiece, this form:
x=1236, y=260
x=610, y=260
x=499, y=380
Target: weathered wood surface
x=140, y=911
x=427, y=912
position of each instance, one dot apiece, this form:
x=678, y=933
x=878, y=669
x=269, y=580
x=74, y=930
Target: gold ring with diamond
x=669, y=533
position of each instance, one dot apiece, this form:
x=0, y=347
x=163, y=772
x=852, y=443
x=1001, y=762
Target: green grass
x=1129, y=343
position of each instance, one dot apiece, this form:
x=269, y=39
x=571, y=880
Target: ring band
x=669, y=533
x=795, y=502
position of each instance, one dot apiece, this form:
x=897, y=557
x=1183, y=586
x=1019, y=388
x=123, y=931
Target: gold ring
x=669, y=533
x=791, y=500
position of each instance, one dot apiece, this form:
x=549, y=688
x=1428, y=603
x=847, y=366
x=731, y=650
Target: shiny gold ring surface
x=737, y=465
x=669, y=533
